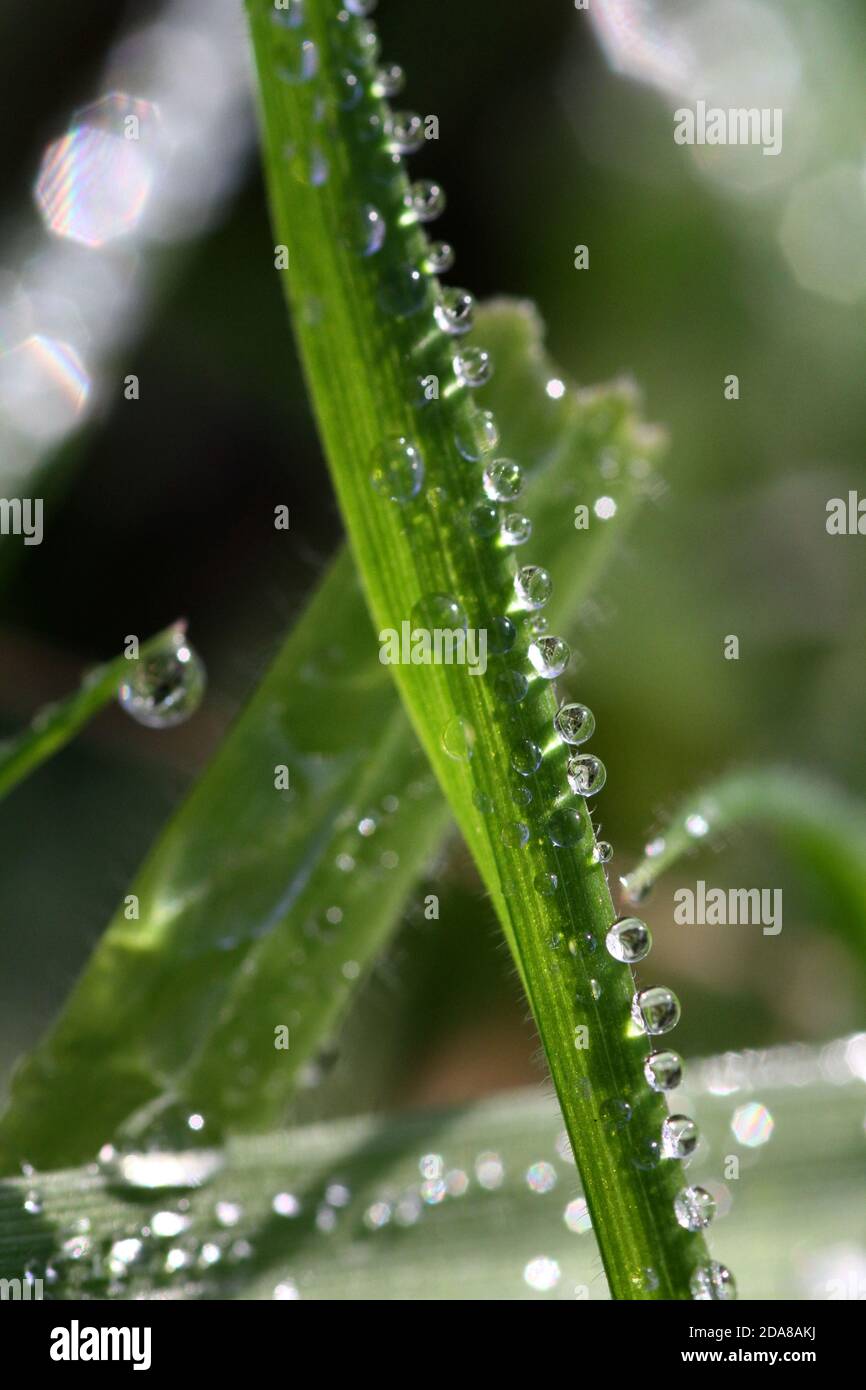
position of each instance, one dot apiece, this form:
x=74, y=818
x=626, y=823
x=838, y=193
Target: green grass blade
x=55, y=726
x=823, y=826
x=368, y=1224
x=370, y=341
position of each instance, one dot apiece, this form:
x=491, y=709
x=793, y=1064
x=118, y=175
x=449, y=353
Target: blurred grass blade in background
x=823, y=826
x=475, y=1203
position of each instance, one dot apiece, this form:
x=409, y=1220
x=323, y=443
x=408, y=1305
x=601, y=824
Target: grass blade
x=823, y=826
x=365, y=354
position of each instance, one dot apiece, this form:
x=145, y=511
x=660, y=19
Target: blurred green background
x=698, y=268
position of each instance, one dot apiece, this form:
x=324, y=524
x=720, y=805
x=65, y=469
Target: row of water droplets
x=398, y=475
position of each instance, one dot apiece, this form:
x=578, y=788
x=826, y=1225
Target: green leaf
x=246, y=864
x=369, y=343
x=56, y=725
x=823, y=826
x=440, y=1206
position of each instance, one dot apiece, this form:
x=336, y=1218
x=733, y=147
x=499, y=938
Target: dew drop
x=455, y=311
x=526, y=757
x=458, y=739
x=164, y=687
x=656, y=1010
x=397, y=469
x=438, y=258
x=511, y=686
x=404, y=132
x=361, y=8
x=426, y=200
x=574, y=723
x=533, y=586
x=402, y=291
x=647, y=1155
x=389, y=80
x=713, y=1282
x=484, y=520
x=663, y=1070
x=694, y=1208
x=476, y=437
x=365, y=233
x=549, y=656
x=586, y=774
x=298, y=62
x=482, y=802
x=546, y=884
x=438, y=611
x=515, y=835
x=602, y=852
x=501, y=635
x=629, y=940
x=502, y=480
x=515, y=529
x=566, y=828
x=679, y=1136
x=473, y=366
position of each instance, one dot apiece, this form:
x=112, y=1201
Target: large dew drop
x=167, y=1146
x=656, y=1010
x=629, y=940
x=164, y=687
x=397, y=469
